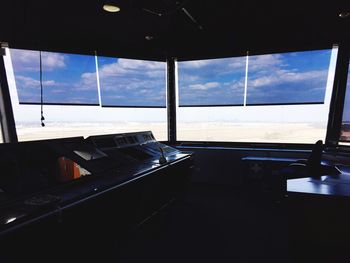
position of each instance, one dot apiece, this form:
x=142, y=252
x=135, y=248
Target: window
x=211, y=82
x=132, y=83
x=71, y=91
x=66, y=78
x=289, y=78
x=277, y=98
x=287, y=100
x=345, y=127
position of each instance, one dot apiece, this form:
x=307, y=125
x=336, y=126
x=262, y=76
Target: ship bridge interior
x=174, y=131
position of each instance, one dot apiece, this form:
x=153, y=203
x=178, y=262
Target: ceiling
x=185, y=29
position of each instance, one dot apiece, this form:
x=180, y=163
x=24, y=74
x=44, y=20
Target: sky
x=296, y=77
x=72, y=79
x=212, y=82
x=128, y=82
x=64, y=77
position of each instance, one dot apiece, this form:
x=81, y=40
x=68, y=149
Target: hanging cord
x=41, y=92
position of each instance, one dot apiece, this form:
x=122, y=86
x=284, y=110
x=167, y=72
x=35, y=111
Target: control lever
x=162, y=159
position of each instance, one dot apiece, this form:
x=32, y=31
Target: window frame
x=346, y=86
x=268, y=144
x=336, y=110
x=338, y=97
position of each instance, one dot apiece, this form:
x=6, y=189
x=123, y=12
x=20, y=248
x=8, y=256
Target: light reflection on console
x=10, y=217
x=9, y=220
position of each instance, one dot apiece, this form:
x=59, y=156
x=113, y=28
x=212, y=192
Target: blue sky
x=64, y=77
x=275, y=78
x=114, y=72
x=71, y=78
x=211, y=82
x=129, y=82
x=288, y=78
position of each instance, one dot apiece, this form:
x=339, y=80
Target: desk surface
x=281, y=159
x=269, y=159
x=325, y=185
x=18, y=211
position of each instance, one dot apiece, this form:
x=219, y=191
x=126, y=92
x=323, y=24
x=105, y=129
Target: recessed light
x=149, y=37
x=344, y=14
x=111, y=8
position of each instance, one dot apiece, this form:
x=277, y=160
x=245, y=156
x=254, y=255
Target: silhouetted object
x=310, y=167
x=313, y=163
x=42, y=120
x=41, y=91
x=162, y=158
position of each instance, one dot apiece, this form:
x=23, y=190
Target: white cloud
x=111, y=70
x=283, y=76
x=132, y=76
x=145, y=91
x=114, y=97
x=195, y=63
x=53, y=60
x=88, y=81
x=29, y=60
x=221, y=64
x=58, y=91
x=131, y=67
x=137, y=84
x=265, y=62
x=28, y=82
x=186, y=78
x=206, y=86
x=140, y=64
x=237, y=85
x=155, y=74
x=237, y=63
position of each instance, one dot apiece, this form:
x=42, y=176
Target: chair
x=310, y=167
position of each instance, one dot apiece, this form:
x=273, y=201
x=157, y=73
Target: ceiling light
x=344, y=14
x=111, y=8
x=149, y=37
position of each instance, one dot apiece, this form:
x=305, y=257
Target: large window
x=66, y=78
x=285, y=100
x=132, y=83
x=345, y=128
x=212, y=82
x=275, y=98
x=289, y=78
x=72, y=94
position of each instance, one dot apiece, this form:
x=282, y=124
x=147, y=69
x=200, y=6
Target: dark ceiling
x=186, y=29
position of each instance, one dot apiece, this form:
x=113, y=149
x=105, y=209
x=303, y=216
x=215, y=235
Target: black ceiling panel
x=185, y=29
